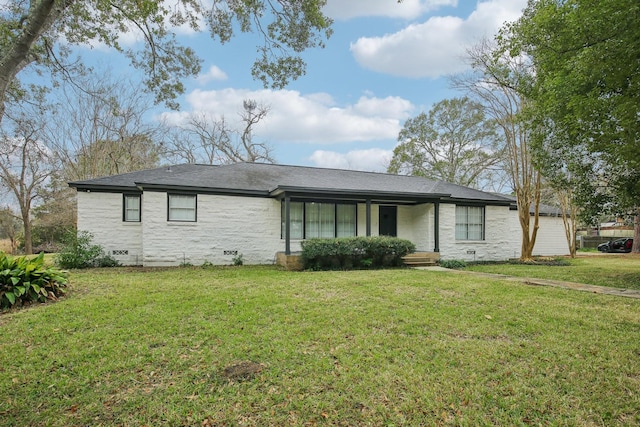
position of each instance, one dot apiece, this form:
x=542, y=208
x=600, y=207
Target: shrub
x=79, y=252
x=24, y=281
x=455, y=264
x=238, y=260
x=354, y=252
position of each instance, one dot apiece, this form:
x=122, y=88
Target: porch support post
x=436, y=226
x=287, y=225
x=368, y=217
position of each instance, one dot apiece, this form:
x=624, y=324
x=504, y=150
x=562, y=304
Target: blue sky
x=386, y=62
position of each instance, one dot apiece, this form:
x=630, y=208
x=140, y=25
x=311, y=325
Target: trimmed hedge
x=28, y=280
x=348, y=253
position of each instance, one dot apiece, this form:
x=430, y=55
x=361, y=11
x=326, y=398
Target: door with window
x=388, y=222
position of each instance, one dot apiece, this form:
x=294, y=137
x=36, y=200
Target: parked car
x=619, y=245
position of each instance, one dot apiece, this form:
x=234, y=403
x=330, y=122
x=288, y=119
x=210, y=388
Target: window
x=345, y=220
x=182, y=207
x=469, y=223
x=325, y=220
x=296, y=220
x=319, y=220
x=131, y=208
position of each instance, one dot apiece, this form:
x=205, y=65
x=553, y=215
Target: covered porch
x=391, y=214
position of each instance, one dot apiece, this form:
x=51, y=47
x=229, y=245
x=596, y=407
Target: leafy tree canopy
x=453, y=142
x=31, y=33
x=585, y=96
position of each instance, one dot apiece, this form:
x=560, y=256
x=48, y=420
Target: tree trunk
x=569, y=219
x=526, y=196
x=28, y=245
x=40, y=18
x=636, y=233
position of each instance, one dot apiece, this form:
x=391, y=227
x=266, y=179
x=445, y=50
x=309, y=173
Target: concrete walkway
x=629, y=293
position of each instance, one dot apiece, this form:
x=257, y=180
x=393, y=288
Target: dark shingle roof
x=545, y=210
x=269, y=180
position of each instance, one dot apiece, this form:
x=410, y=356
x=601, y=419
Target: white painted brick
x=252, y=227
x=101, y=215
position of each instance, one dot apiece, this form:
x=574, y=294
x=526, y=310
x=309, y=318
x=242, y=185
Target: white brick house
x=200, y=213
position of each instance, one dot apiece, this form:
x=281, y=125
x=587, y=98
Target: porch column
x=368, y=217
x=287, y=225
x=436, y=226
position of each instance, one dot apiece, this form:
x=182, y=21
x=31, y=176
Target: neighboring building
x=200, y=213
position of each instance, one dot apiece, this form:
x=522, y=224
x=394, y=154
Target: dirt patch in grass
x=242, y=371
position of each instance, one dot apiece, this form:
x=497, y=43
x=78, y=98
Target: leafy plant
x=238, y=259
x=79, y=252
x=27, y=280
x=354, y=252
x=455, y=264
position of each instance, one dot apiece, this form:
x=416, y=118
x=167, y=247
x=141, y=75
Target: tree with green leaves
x=453, y=142
x=31, y=33
x=586, y=93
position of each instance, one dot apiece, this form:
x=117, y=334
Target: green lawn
x=614, y=270
x=374, y=348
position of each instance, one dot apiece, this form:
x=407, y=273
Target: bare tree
x=213, y=141
x=25, y=161
x=496, y=83
x=10, y=227
x=102, y=130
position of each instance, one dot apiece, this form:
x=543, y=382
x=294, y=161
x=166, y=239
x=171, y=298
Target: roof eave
x=282, y=191
x=81, y=186
x=202, y=190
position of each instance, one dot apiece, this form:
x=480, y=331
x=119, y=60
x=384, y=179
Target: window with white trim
x=131, y=208
x=469, y=223
x=182, y=207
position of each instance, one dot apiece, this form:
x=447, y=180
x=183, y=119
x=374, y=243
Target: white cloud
x=314, y=118
x=408, y=9
x=436, y=47
x=373, y=159
x=214, y=73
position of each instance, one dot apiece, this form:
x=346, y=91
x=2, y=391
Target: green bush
x=24, y=281
x=455, y=264
x=354, y=252
x=79, y=252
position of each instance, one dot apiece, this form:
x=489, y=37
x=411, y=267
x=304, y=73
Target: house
x=200, y=213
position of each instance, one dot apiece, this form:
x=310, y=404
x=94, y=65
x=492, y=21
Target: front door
x=388, y=224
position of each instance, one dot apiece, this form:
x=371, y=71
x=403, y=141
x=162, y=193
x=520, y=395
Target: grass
x=615, y=270
x=364, y=348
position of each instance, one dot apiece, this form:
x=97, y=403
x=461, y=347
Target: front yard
x=391, y=347
x=611, y=270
